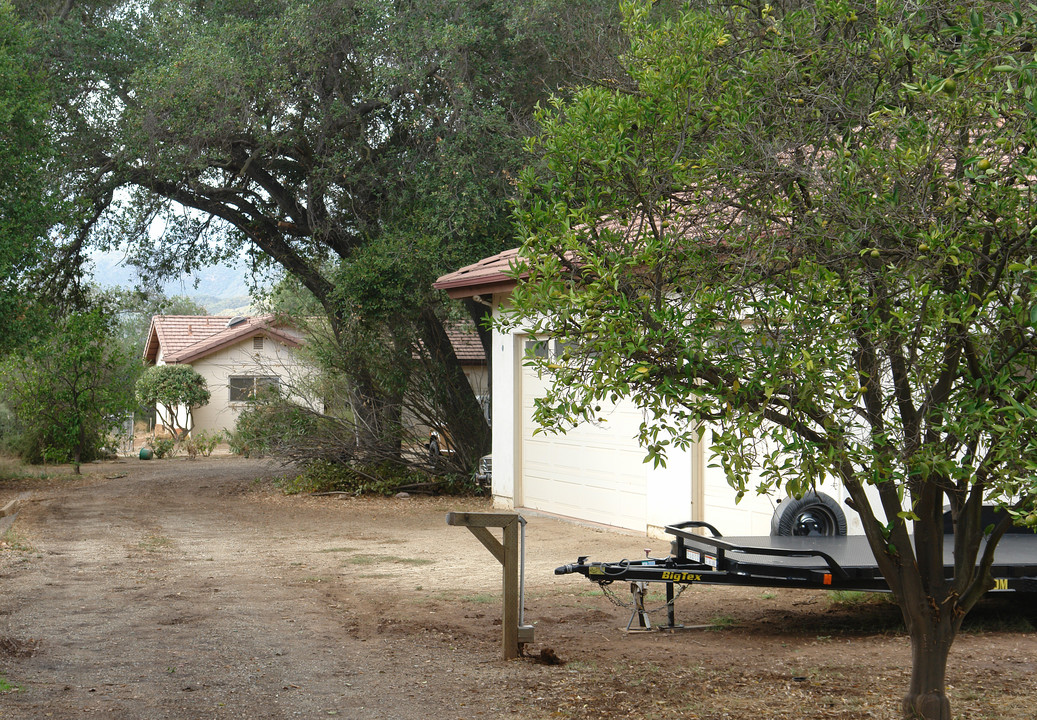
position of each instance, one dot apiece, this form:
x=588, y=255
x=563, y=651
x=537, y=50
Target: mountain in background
x=221, y=289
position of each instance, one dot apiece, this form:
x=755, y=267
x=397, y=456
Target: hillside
x=221, y=290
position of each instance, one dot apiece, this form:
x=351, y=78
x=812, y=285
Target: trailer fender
x=813, y=514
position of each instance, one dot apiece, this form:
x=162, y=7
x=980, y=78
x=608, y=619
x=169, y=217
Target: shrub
x=206, y=441
x=238, y=444
x=10, y=431
x=163, y=447
x=67, y=390
x=263, y=426
x=459, y=484
x=324, y=476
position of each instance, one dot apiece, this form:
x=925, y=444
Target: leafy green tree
x=69, y=391
x=27, y=207
x=167, y=389
x=363, y=147
x=808, y=232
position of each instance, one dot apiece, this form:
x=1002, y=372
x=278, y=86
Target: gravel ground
x=189, y=589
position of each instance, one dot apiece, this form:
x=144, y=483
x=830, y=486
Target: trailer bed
x=843, y=562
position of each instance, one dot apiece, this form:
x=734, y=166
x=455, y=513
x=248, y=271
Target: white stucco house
x=596, y=473
x=237, y=356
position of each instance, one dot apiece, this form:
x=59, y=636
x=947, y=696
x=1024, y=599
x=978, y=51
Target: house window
x=538, y=348
x=547, y=349
x=249, y=387
x=257, y=343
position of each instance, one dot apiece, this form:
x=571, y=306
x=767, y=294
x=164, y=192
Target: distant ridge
x=221, y=289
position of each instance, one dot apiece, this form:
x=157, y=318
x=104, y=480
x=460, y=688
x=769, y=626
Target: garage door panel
x=605, y=505
x=595, y=464
x=594, y=472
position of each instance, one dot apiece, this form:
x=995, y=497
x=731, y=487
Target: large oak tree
x=28, y=206
x=362, y=146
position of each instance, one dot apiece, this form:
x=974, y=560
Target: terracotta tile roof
x=184, y=338
x=496, y=274
x=467, y=345
x=489, y=275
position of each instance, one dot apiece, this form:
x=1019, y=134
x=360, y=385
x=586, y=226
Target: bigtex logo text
x=680, y=576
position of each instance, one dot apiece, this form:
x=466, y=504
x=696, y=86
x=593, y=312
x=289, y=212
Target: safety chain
x=614, y=598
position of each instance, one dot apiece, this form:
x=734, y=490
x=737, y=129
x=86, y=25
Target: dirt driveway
x=193, y=589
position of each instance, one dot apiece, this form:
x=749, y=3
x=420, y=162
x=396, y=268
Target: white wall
x=686, y=489
x=506, y=365
x=647, y=498
x=274, y=358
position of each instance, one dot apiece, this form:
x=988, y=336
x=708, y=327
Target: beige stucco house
x=240, y=356
x=237, y=356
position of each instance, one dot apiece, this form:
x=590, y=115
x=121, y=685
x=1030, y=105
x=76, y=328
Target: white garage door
x=593, y=472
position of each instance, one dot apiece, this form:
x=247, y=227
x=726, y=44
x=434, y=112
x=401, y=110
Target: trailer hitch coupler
x=571, y=568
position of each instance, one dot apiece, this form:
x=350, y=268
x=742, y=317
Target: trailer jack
x=640, y=620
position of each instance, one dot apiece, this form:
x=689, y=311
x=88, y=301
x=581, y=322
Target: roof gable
x=186, y=338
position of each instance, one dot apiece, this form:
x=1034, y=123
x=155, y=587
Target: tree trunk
x=462, y=416
x=932, y=607
x=378, y=418
x=77, y=454
x=932, y=634
x=481, y=313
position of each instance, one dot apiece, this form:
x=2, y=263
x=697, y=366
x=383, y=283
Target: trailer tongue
x=828, y=563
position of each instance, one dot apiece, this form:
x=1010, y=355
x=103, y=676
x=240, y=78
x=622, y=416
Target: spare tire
x=813, y=514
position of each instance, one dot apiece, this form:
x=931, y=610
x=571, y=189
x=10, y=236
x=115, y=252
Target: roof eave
x=488, y=286
x=191, y=354
x=151, y=345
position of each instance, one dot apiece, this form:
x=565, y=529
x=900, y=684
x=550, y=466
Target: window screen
x=248, y=387
x=537, y=348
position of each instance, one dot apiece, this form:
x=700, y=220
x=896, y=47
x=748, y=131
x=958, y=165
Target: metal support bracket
x=638, y=590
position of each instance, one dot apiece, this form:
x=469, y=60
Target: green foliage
x=262, y=426
x=164, y=387
x=720, y=623
x=816, y=260
x=359, y=479
x=6, y=686
x=206, y=441
x=137, y=307
x=69, y=390
x=163, y=447
x=238, y=445
x=27, y=205
x=10, y=431
x=364, y=148
x=853, y=598
x=807, y=236
x=460, y=485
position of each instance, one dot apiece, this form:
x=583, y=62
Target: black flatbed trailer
x=829, y=563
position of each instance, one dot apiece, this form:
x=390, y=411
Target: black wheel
x=813, y=514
